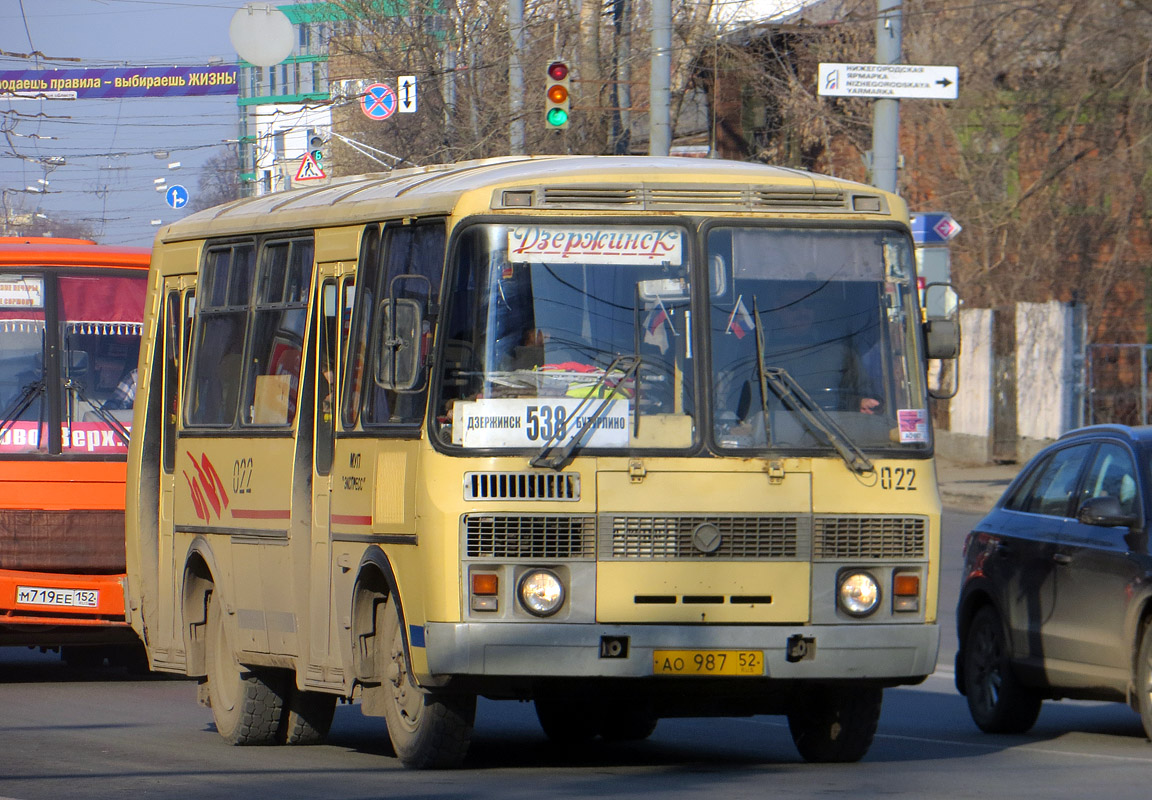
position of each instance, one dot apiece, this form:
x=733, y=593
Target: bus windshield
x=539, y=317
x=811, y=343
x=94, y=322
x=811, y=328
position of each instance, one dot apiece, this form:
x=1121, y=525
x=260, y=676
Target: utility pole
x=516, y=79
x=659, y=92
x=885, y=154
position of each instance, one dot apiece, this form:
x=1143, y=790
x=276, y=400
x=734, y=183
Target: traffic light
x=316, y=148
x=556, y=96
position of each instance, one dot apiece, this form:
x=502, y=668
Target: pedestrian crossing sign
x=309, y=169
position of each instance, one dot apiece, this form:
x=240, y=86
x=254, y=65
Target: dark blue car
x=1056, y=599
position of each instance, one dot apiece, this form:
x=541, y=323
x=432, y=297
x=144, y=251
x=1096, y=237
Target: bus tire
x=627, y=721
x=247, y=706
x=835, y=724
x=565, y=720
x=429, y=729
x=307, y=717
x=79, y=656
x=997, y=701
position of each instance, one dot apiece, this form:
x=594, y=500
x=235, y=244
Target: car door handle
x=1062, y=558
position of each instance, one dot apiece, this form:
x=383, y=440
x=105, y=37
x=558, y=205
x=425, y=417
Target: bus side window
x=357, y=337
x=277, y=340
x=221, y=320
x=173, y=326
x=408, y=250
x=328, y=333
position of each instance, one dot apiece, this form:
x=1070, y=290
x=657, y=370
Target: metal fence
x=1117, y=380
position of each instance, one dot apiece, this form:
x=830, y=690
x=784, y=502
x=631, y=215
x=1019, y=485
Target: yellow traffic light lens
x=557, y=94
x=557, y=117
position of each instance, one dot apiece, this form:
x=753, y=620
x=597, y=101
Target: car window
x=1049, y=489
x=1113, y=474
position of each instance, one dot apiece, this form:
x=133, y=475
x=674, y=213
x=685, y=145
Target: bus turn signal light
x=905, y=592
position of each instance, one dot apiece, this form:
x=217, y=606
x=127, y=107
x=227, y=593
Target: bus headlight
x=859, y=594
x=541, y=592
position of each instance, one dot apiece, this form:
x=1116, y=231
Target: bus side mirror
x=398, y=351
x=942, y=321
x=942, y=338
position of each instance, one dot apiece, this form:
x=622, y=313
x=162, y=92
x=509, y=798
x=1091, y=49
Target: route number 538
x=546, y=422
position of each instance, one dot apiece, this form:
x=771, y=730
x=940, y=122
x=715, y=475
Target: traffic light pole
x=885, y=112
x=516, y=79
x=659, y=113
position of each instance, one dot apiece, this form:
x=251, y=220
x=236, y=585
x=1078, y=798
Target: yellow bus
x=630, y=438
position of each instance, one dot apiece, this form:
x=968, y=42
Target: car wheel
x=997, y=701
x=1144, y=680
x=247, y=706
x=429, y=729
x=835, y=724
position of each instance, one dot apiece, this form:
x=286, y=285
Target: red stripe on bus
x=351, y=519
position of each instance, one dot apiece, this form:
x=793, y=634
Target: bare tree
x=219, y=181
x=459, y=52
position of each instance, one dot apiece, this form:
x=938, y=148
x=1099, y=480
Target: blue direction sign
x=934, y=228
x=379, y=101
x=177, y=196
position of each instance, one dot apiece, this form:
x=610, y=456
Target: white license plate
x=43, y=596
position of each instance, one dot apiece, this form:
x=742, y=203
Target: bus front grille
x=868, y=537
x=563, y=486
x=518, y=536
x=694, y=537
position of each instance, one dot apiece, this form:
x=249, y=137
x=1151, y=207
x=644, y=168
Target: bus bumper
x=899, y=653
x=54, y=599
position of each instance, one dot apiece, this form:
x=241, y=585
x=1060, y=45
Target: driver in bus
x=837, y=367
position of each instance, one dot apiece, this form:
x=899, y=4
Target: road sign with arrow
x=893, y=81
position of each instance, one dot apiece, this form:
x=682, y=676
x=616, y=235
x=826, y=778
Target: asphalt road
x=100, y=734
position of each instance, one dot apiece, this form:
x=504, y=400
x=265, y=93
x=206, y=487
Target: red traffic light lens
x=558, y=70
x=557, y=94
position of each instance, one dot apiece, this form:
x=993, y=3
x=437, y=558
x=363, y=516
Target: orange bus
x=71, y=313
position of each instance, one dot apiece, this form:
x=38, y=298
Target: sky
x=110, y=147
x=115, y=150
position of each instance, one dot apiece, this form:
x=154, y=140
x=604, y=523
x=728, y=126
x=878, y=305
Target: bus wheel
x=429, y=729
x=627, y=721
x=997, y=701
x=247, y=706
x=80, y=656
x=565, y=720
x=833, y=724
x=307, y=717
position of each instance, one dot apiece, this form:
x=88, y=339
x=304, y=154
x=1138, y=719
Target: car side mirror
x=1105, y=512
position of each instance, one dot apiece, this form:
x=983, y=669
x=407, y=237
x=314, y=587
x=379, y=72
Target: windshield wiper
x=816, y=418
x=631, y=367
x=100, y=411
x=27, y=395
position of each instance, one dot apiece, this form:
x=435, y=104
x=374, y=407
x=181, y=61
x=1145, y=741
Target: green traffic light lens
x=557, y=117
